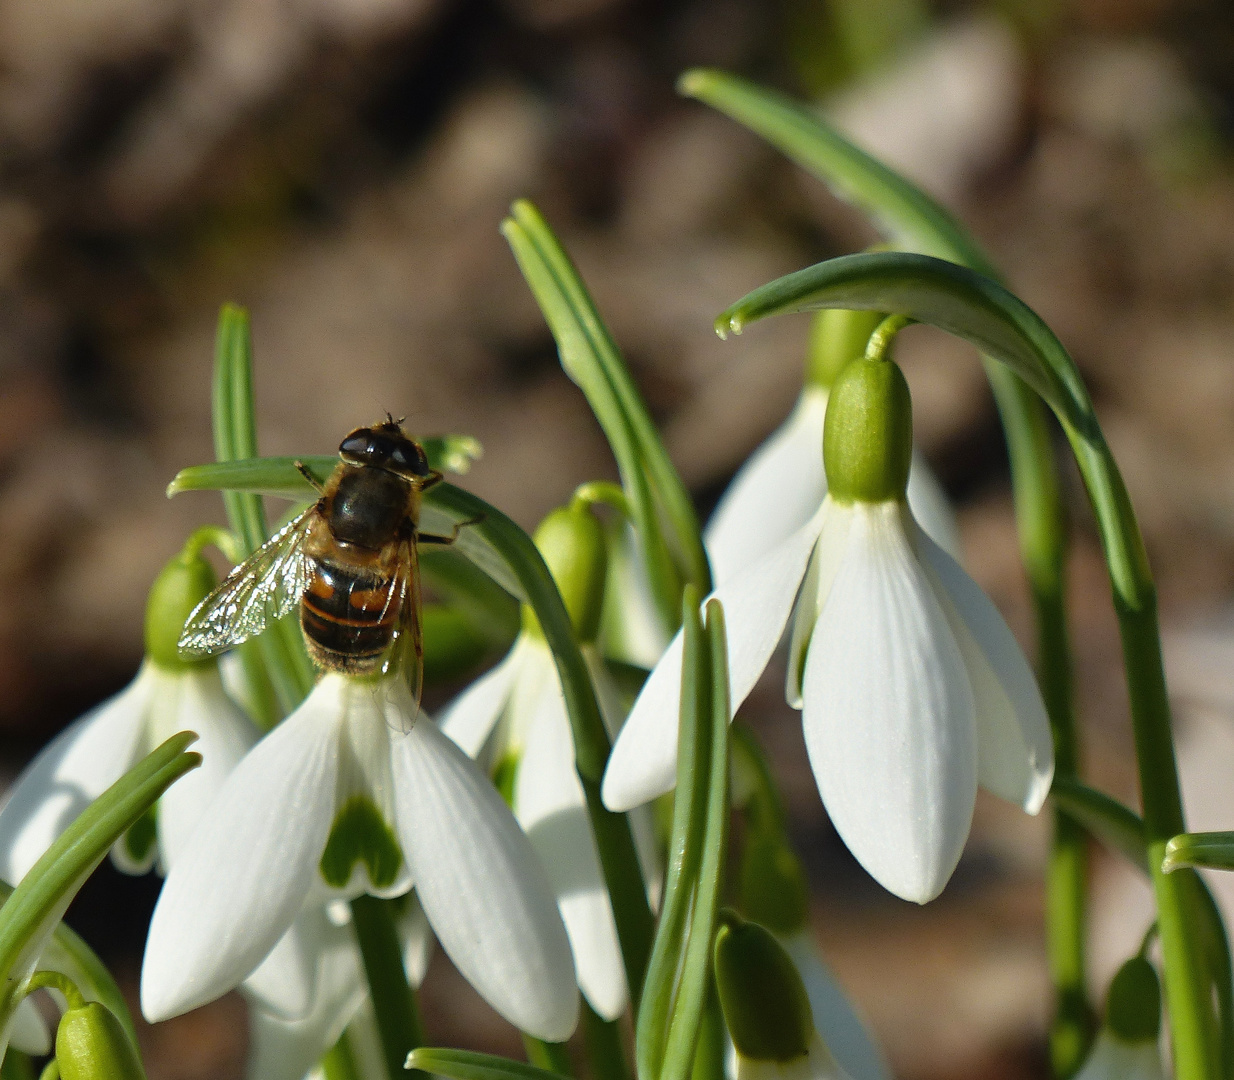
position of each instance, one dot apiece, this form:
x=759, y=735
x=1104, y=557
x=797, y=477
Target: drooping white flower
x=1127, y=1046
x=1112, y=1058
x=515, y=718
x=93, y=753
x=341, y=799
x=782, y=483
x=912, y=688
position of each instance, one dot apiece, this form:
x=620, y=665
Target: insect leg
x=303, y=470
x=446, y=541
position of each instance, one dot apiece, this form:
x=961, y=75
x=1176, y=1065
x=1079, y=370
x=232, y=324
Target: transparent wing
x=263, y=588
x=406, y=656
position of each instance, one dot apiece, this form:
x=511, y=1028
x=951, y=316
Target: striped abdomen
x=349, y=616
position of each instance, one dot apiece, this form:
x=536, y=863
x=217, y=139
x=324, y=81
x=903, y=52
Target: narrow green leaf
x=1119, y=828
x=1211, y=849
x=694, y=980
x=591, y=358
x=685, y=853
x=30, y=914
x=469, y=1065
x=235, y=430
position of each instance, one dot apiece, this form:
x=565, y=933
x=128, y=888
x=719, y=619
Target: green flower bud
x=837, y=338
x=773, y=885
x=181, y=585
x=762, y=995
x=868, y=434
x=571, y=540
x=92, y=1045
x=1133, y=1007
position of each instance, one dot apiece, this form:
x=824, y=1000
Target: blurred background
x=341, y=167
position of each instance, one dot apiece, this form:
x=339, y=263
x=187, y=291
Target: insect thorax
x=366, y=506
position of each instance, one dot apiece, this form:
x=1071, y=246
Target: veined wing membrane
x=406, y=655
x=263, y=588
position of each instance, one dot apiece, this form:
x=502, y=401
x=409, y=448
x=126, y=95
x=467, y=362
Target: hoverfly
x=350, y=561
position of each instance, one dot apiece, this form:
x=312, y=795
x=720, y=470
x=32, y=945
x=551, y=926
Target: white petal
x=282, y=1049
x=417, y=938
x=246, y=870
x=552, y=809
x=470, y=717
x=28, y=1031
x=888, y=713
x=482, y=887
x=774, y=493
x=284, y=984
x=69, y=773
x=199, y=703
x=931, y=508
x=757, y=604
x=836, y=1019
x=816, y=1064
x=1015, y=749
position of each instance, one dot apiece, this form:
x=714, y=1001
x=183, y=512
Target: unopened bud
x=571, y=540
x=868, y=434
x=91, y=1044
x=181, y=585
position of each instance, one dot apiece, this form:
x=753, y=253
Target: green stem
x=17, y=1066
x=394, y=1001
x=552, y=1057
x=55, y=980
x=605, y=1052
x=712, y=1042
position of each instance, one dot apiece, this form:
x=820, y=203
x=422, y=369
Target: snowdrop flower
x=515, y=719
x=1127, y=1047
x=912, y=688
x=358, y=792
x=766, y=1009
x=167, y=696
x=780, y=486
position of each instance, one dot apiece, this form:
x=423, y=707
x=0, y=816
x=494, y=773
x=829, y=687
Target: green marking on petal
x=505, y=772
x=360, y=834
x=139, y=841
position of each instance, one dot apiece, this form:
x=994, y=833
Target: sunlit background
x=341, y=167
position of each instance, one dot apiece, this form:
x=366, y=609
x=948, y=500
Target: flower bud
x=762, y=995
x=181, y=585
x=837, y=338
x=868, y=434
x=773, y=886
x=91, y=1044
x=571, y=540
x=1133, y=1007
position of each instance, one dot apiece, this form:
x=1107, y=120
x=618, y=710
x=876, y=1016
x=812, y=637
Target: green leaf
x=678, y=973
x=469, y=1065
x=29, y=916
x=930, y=290
x=591, y=358
x=1211, y=849
x=1119, y=828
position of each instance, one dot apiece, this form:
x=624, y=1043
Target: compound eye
x=361, y=446
x=409, y=457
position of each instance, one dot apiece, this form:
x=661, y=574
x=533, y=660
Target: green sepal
x=180, y=586
x=571, y=539
x=764, y=1000
x=91, y=1044
x=773, y=885
x=868, y=434
x=1133, y=1007
x=361, y=834
x=837, y=338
